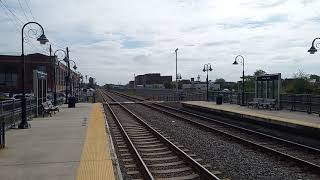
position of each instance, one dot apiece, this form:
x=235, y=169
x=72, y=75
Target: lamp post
x=176, y=70
x=207, y=68
x=242, y=62
x=55, y=69
x=314, y=47
x=69, y=70
x=43, y=40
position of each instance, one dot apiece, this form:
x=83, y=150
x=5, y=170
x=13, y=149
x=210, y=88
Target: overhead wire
x=17, y=22
x=23, y=11
x=30, y=11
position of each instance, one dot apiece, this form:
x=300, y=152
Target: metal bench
x=48, y=107
x=53, y=107
x=255, y=103
x=268, y=104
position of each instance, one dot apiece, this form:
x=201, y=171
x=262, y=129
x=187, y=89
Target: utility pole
x=177, y=71
x=134, y=81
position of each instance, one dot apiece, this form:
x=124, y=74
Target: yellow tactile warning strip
x=96, y=162
x=280, y=119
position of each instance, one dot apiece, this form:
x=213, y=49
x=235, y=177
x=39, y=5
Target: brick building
x=11, y=76
x=151, y=79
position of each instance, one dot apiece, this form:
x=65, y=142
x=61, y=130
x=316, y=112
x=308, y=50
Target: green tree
x=316, y=77
x=91, y=83
x=300, y=84
x=259, y=72
x=222, y=83
x=168, y=85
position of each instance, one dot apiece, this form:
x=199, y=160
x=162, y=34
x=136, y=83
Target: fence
x=2, y=135
x=300, y=102
x=294, y=102
x=231, y=97
x=10, y=111
x=166, y=94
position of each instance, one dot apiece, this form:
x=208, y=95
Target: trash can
x=219, y=99
x=72, y=102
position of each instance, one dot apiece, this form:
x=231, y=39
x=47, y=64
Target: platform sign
x=40, y=87
x=269, y=77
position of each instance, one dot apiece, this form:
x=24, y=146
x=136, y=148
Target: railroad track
x=304, y=156
x=146, y=153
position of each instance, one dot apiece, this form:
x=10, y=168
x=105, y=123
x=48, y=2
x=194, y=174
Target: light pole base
x=24, y=125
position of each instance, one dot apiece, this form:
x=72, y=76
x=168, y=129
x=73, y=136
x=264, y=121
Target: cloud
x=220, y=43
x=265, y=4
x=114, y=39
x=256, y=23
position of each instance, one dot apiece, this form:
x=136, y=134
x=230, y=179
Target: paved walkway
x=51, y=149
x=282, y=116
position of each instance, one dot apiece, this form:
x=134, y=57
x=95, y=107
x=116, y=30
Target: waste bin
x=219, y=99
x=72, y=102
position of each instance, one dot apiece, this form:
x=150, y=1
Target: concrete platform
x=53, y=147
x=299, y=121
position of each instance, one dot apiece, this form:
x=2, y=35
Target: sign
x=268, y=77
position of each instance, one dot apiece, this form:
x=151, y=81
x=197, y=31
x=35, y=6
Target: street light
x=67, y=60
x=69, y=70
x=176, y=70
x=207, y=68
x=55, y=69
x=313, y=48
x=43, y=40
x=236, y=63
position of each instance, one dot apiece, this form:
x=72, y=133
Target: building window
x=8, y=79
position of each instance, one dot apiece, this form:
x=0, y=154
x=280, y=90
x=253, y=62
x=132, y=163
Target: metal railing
x=295, y=102
x=10, y=111
x=231, y=97
x=2, y=135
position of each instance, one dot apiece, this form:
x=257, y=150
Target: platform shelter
x=268, y=86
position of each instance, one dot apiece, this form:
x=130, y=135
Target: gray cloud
x=265, y=4
x=114, y=39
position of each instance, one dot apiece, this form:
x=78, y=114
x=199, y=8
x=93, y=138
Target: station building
x=11, y=73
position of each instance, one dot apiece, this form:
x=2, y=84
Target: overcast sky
x=112, y=40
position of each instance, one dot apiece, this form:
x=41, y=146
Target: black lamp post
x=207, y=68
x=54, y=76
x=69, y=74
x=43, y=40
x=176, y=51
x=314, y=47
x=242, y=62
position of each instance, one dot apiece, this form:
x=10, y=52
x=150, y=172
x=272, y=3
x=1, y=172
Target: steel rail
x=142, y=166
x=239, y=128
x=314, y=167
x=202, y=171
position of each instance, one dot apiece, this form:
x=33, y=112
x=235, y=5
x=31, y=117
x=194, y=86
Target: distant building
x=197, y=85
x=151, y=80
x=11, y=73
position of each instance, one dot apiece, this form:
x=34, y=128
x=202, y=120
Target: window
x=8, y=79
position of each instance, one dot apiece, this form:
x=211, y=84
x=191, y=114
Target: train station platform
x=298, y=121
x=72, y=144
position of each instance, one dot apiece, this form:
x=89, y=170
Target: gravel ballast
x=232, y=158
